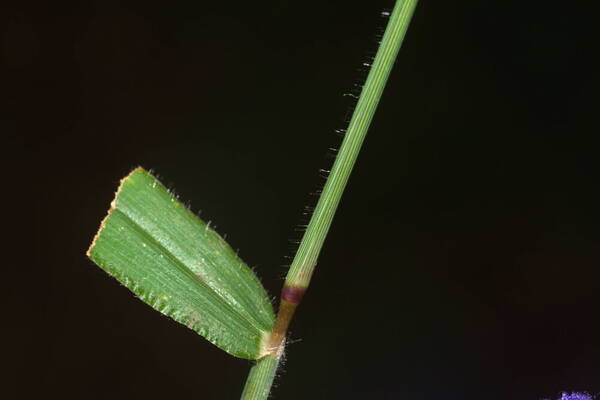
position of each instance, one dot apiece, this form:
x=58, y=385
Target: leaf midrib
x=197, y=280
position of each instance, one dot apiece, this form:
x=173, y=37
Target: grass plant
x=176, y=263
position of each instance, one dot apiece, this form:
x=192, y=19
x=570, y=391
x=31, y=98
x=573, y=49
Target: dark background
x=462, y=263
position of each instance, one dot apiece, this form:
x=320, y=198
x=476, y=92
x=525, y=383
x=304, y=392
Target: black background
x=462, y=264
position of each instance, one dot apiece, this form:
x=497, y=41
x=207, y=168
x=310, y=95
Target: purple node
x=292, y=294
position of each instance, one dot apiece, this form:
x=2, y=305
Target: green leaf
x=173, y=261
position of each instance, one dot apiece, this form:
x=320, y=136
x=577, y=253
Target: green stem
x=258, y=384
x=304, y=263
x=260, y=379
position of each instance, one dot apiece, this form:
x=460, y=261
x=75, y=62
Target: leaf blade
x=175, y=263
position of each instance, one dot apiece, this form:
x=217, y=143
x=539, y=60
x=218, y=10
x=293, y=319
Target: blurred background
x=462, y=264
